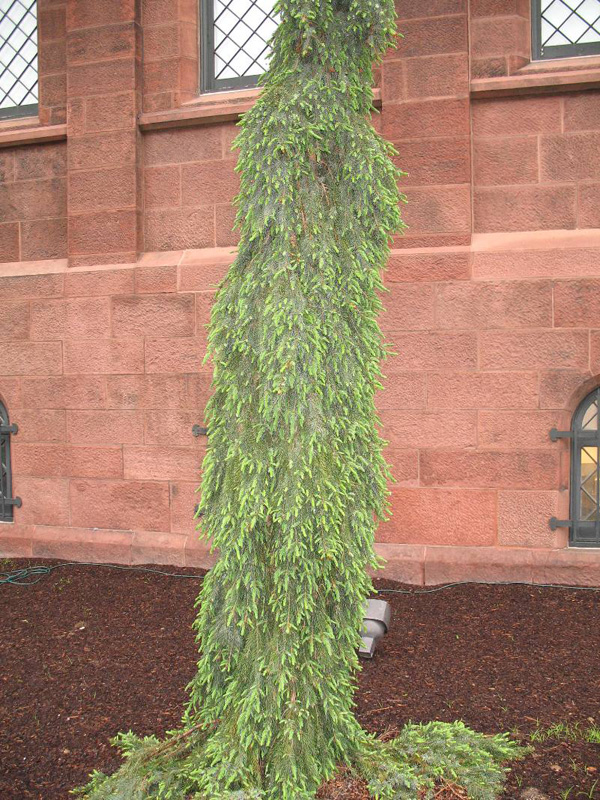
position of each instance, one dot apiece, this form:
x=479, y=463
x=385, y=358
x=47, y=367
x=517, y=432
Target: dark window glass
x=565, y=28
x=585, y=473
x=234, y=42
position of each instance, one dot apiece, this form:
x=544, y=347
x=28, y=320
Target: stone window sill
x=542, y=77
x=29, y=131
x=210, y=108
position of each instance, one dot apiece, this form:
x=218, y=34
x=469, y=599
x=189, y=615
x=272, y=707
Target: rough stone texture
x=156, y=315
x=523, y=518
x=122, y=505
x=495, y=305
x=481, y=390
x=482, y=564
x=33, y=202
x=443, y=517
x=501, y=429
x=517, y=469
x=543, y=349
x=534, y=157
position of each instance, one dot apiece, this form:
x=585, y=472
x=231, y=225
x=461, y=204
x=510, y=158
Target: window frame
x=26, y=109
x=541, y=53
x=580, y=530
x=7, y=501
x=16, y=112
x=206, y=45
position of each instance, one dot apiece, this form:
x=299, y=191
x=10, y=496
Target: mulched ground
x=88, y=652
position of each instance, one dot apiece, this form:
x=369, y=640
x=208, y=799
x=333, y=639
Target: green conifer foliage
x=294, y=480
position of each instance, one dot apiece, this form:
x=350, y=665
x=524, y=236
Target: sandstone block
x=444, y=517
x=523, y=518
x=120, y=505
x=105, y=427
x=517, y=469
x=540, y=349
x=104, y=356
x=143, y=315
x=64, y=392
x=147, y=391
x=162, y=463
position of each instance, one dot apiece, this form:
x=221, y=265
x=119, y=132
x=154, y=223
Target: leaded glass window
x=585, y=473
x=18, y=58
x=235, y=42
x=564, y=28
x=7, y=502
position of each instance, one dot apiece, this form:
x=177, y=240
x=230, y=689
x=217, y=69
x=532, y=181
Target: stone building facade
x=116, y=224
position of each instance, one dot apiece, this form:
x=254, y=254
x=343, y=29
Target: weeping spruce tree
x=294, y=480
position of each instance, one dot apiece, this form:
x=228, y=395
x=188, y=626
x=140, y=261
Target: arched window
x=7, y=502
x=585, y=473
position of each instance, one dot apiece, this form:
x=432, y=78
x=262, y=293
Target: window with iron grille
x=234, y=42
x=7, y=501
x=18, y=58
x=565, y=28
x=585, y=473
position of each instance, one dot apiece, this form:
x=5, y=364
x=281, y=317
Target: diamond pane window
x=235, y=42
x=564, y=28
x=7, y=502
x=585, y=473
x=18, y=58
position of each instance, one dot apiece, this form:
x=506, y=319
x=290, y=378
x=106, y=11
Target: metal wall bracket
x=555, y=435
x=13, y=501
x=559, y=523
x=198, y=430
x=14, y=428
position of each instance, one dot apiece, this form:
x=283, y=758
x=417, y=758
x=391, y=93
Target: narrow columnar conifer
x=294, y=480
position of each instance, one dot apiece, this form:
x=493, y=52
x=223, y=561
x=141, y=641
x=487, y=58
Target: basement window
x=585, y=473
x=7, y=501
x=565, y=28
x=234, y=46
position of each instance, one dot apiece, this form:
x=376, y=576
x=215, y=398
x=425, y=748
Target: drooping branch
x=294, y=479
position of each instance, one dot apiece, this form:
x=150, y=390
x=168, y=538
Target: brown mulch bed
x=90, y=651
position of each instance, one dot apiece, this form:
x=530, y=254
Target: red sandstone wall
x=537, y=162
x=426, y=109
x=52, y=33
x=189, y=186
x=102, y=373
x=500, y=36
x=33, y=202
x=484, y=369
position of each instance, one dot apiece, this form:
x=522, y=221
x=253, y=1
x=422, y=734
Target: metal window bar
x=18, y=58
x=565, y=28
x=234, y=44
x=585, y=473
x=7, y=501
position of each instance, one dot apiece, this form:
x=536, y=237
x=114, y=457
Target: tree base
x=408, y=767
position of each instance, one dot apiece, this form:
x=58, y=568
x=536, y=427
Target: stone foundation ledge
x=432, y=565
x=104, y=546
x=420, y=565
